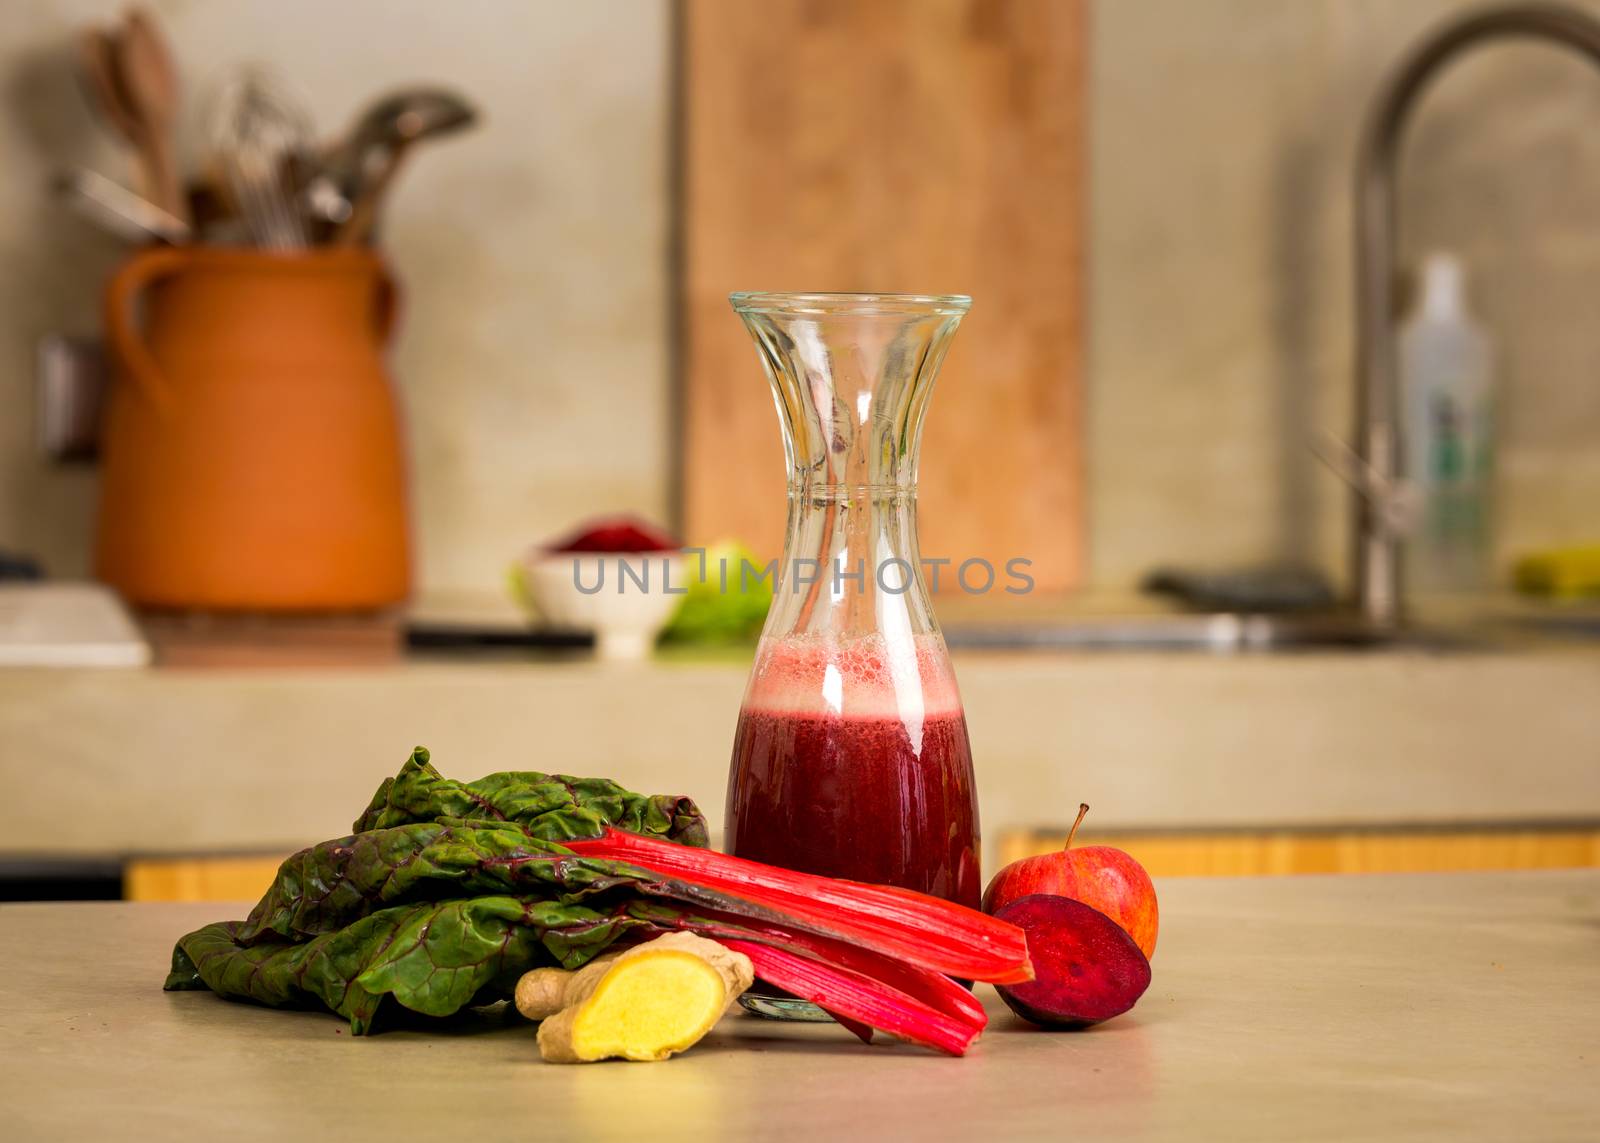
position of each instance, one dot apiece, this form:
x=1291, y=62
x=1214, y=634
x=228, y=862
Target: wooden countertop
x=1461, y=1006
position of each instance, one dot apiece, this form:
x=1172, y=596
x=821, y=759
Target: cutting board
x=51, y=623
x=923, y=146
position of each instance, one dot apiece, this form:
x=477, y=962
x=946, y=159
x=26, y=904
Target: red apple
x=1101, y=877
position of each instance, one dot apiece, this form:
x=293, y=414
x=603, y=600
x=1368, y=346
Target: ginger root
x=645, y=1003
x=543, y=992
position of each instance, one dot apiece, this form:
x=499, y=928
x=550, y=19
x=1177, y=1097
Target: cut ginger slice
x=650, y=1002
x=648, y=1014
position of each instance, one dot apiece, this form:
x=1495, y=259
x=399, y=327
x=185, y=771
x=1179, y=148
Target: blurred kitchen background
x=1152, y=202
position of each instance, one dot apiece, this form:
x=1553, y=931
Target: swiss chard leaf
x=433, y=957
x=444, y=894
x=551, y=807
x=337, y=882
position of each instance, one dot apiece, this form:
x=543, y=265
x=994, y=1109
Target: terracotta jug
x=251, y=455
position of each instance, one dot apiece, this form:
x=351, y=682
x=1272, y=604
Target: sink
x=1101, y=620
x=1564, y=625
x=1214, y=632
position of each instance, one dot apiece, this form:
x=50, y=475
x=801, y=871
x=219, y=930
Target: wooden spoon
x=96, y=59
x=149, y=83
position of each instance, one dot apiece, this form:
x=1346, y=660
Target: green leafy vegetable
x=553, y=807
x=448, y=891
x=435, y=957
x=338, y=882
x=444, y=895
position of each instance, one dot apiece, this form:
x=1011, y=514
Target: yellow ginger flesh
x=646, y=1003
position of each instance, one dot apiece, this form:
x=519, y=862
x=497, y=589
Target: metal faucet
x=1386, y=504
x=1379, y=464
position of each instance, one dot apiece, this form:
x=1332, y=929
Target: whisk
x=259, y=134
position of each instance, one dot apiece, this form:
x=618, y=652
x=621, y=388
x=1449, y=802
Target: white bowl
x=622, y=597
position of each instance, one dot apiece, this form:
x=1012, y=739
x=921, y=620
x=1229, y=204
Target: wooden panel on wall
x=218, y=878
x=922, y=146
x=1250, y=853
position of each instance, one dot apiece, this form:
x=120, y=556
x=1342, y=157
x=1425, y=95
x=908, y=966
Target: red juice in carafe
x=851, y=760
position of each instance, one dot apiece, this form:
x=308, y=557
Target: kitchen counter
x=271, y=760
x=1460, y=1006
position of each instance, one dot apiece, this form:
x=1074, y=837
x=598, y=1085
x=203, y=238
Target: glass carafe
x=851, y=756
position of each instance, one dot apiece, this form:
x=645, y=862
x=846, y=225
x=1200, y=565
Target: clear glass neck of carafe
x=851, y=375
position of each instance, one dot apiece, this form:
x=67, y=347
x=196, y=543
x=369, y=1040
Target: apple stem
x=1083, y=808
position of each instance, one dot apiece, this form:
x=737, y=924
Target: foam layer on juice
x=865, y=677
